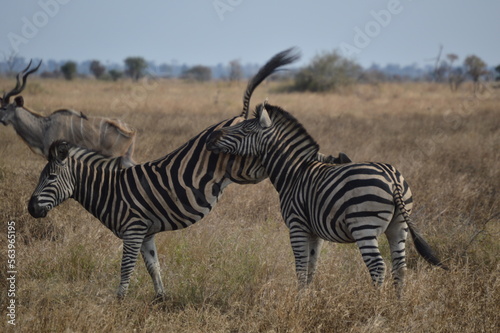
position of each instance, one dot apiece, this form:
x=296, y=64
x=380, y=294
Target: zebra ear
x=264, y=119
x=62, y=151
x=58, y=151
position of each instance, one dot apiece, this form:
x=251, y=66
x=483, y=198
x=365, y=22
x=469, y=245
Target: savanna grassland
x=234, y=270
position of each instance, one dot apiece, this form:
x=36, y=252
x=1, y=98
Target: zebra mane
x=78, y=151
x=85, y=155
x=276, y=113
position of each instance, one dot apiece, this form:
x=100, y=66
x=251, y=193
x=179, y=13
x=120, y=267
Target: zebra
x=109, y=136
x=135, y=203
x=347, y=203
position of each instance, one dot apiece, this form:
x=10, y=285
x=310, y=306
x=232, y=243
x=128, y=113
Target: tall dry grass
x=234, y=271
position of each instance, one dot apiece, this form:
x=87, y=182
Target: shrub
x=198, y=73
x=69, y=70
x=327, y=72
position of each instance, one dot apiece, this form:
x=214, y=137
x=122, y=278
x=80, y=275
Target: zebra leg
x=368, y=245
x=150, y=256
x=314, y=245
x=303, y=244
x=396, y=236
x=131, y=246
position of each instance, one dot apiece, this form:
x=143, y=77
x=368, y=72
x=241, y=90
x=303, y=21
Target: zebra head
x=56, y=183
x=244, y=138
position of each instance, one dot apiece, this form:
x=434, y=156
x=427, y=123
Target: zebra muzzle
x=35, y=209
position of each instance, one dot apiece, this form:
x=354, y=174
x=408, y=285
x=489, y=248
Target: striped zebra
x=135, y=203
x=347, y=203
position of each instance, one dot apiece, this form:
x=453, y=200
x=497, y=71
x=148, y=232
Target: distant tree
x=497, y=69
x=455, y=75
x=452, y=57
x=475, y=67
x=441, y=71
x=439, y=68
x=97, y=69
x=135, y=67
x=373, y=76
x=69, y=70
x=198, y=73
x=115, y=74
x=327, y=72
x=235, y=70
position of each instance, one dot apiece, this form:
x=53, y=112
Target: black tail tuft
x=281, y=59
x=424, y=249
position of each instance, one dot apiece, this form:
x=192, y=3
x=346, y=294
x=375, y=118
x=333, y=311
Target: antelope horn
x=20, y=87
x=18, y=84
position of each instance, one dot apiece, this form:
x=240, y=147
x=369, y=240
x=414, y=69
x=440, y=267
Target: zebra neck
x=283, y=168
x=94, y=186
x=286, y=149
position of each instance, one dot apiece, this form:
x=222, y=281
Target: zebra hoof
x=159, y=298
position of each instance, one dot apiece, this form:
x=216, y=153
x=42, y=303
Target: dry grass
x=234, y=272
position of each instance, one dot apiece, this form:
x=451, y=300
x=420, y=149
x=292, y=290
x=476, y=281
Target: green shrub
x=327, y=72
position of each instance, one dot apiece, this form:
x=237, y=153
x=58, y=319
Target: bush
x=135, y=67
x=114, y=74
x=327, y=72
x=97, y=69
x=69, y=70
x=198, y=73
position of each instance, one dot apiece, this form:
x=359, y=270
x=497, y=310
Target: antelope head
x=6, y=107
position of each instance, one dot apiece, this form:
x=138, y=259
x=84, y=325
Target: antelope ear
x=264, y=119
x=19, y=100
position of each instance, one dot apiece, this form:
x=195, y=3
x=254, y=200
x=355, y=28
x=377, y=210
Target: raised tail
x=281, y=59
x=423, y=248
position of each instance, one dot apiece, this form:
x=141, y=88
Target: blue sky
x=209, y=32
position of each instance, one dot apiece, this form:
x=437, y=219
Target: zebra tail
x=423, y=248
x=281, y=59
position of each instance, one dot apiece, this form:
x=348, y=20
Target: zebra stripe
x=346, y=203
